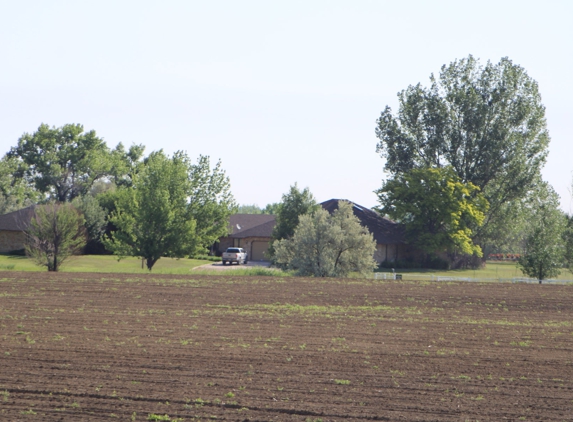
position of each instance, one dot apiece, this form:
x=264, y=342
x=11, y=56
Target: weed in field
x=154, y=417
x=342, y=382
x=5, y=394
x=28, y=412
x=230, y=395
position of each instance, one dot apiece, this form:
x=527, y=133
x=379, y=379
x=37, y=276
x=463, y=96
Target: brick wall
x=11, y=240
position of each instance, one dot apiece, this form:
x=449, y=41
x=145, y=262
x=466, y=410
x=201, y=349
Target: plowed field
x=104, y=347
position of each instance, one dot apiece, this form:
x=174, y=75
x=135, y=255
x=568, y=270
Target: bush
x=206, y=258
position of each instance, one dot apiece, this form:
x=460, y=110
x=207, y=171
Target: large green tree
x=544, y=243
x=486, y=122
x=325, y=245
x=56, y=232
x=15, y=192
x=210, y=201
x=438, y=210
x=153, y=217
x=94, y=221
x=62, y=163
x=294, y=203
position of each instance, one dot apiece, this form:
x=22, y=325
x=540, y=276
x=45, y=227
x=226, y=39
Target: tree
x=153, y=218
x=249, y=209
x=55, y=233
x=437, y=209
x=325, y=245
x=94, y=221
x=568, y=240
x=544, y=244
x=125, y=164
x=15, y=193
x=272, y=209
x=294, y=204
x=255, y=209
x=61, y=162
x=486, y=122
x=210, y=202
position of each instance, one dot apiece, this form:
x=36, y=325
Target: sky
x=281, y=92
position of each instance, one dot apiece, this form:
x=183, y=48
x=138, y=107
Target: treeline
x=464, y=158
x=131, y=205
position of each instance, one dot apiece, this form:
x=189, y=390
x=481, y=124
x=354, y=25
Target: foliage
x=249, y=209
x=255, y=209
x=437, y=208
x=568, y=240
x=153, y=218
x=294, y=204
x=544, y=244
x=486, y=122
x=210, y=202
x=15, y=193
x=61, y=162
x=325, y=245
x=272, y=209
x=94, y=216
x=55, y=233
x=125, y=164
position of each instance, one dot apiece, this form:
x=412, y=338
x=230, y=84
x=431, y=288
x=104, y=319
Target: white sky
x=280, y=91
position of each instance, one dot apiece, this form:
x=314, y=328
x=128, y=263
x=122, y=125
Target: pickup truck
x=238, y=255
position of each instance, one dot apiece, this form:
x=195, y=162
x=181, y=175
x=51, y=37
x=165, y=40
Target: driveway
x=219, y=266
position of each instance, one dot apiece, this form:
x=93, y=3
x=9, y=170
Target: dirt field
x=98, y=347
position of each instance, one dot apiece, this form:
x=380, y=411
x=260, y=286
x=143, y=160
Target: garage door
x=258, y=250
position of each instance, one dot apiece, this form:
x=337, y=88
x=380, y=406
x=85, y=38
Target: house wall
x=395, y=252
x=11, y=240
x=388, y=253
x=224, y=243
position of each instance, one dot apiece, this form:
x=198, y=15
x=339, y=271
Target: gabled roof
x=384, y=230
x=251, y=225
x=17, y=220
x=262, y=230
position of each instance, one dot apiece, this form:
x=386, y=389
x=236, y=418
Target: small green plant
x=154, y=417
x=28, y=412
x=230, y=395
x=342, y=382
x=5, y=394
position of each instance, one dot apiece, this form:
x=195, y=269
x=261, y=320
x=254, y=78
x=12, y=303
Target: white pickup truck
x=238, y=255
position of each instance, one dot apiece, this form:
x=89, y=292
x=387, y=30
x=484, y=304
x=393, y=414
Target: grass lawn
x=493, y=269
x=104, y=264
x=110, y=264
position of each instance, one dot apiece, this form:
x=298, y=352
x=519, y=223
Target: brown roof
x=251, y=225
x=262, y=230
x=17, y=220
x=384, y=230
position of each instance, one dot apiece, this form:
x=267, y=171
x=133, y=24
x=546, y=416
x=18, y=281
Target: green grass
x=493, y=269
x=104, y=264
x=110, y=264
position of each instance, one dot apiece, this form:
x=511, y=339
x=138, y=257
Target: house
x=12, y=226
x=252, y=232
x=390, y=237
